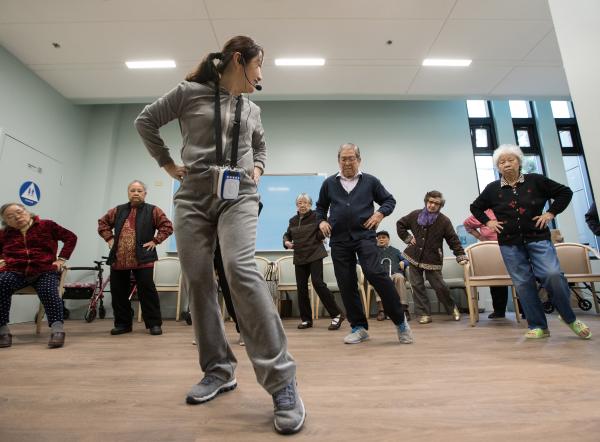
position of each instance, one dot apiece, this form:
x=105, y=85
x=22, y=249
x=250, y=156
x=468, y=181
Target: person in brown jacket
x=428, y=229
x=305, y=238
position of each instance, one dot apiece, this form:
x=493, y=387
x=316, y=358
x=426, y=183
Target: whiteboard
x=278, y=194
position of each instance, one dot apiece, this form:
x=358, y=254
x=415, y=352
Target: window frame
x=529, y=125
x=570, y=124
x=483, y=123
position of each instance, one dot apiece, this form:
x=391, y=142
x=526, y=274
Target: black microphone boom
x=258, y=87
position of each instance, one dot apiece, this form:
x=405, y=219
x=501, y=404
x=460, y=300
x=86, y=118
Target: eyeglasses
x=435, y=203
x=348, y=159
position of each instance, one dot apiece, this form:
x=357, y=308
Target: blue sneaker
x=357, y=335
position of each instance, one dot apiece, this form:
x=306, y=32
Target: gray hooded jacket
x=193, y=104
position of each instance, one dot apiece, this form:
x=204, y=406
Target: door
x=22, y=165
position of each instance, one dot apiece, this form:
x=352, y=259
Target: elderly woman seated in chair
x=28, y=257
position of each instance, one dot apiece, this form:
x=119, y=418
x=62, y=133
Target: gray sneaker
x=357, y=335
x=208, y=388
x=404, y=333
x=289, y=410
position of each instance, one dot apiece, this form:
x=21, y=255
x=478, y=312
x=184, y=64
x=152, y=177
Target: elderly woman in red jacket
x=28, y=256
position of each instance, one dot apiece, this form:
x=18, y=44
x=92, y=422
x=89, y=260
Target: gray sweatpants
x=199, y=218
x=435, y=278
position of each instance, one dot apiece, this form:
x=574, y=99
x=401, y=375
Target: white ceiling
x=512, y=44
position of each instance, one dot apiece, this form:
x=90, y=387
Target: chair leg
x=139, y=311
x=363, y=297
x=368, y=309
x=178, y=303
x=516, y=304
x=594, y=297
x=311, y=295
x=39, y=319
x=469, y=293
x=317, y=306
x=476, y=304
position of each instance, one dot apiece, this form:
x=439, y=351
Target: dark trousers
x=46, y=286
x=120, y=289
x=315, y=271
x=218, y=263
x=343, y=255
x=499, y=298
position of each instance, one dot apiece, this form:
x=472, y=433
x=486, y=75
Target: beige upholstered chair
x=286, y=277
x=167, y=278
x=329, y=279
x=262, y=264
x=575, y=263
x=485, y=269
x=40, y=314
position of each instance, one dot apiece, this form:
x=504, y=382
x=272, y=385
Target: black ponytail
x=210, y=71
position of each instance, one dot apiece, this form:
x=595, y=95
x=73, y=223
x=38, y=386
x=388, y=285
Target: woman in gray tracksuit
x=201, y=216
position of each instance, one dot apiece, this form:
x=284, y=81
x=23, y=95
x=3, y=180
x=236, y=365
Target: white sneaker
x=357, y=335
x=404, y=333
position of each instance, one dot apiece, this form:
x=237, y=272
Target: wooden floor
x=456, y=383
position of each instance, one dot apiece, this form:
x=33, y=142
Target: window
x=483, y=140
x=562, y=109
x=526, y=135
x=519, y=109
x=575, y=166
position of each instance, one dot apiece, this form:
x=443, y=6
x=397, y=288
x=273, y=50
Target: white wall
x=577, y=26
x=37, y=115
x=412, y=147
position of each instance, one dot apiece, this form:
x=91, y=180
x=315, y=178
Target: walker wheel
x=584, y=304
x=548, y=307
x=90, y=315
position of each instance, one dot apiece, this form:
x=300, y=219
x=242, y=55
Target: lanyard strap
x=219, y=131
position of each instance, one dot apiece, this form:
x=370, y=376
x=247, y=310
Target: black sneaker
x=495, y=315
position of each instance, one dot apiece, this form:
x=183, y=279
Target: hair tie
x=217, y=55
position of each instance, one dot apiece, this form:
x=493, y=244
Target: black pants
x=343, y=255
x=120, y=290
x=218, y=263
x=499, y=298
x=315, y=271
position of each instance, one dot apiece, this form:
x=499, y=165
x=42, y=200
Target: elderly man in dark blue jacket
x=348, y=198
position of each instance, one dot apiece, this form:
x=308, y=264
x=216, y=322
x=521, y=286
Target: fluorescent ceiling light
x=299, y=61
x=150, y=64
x=454, y=62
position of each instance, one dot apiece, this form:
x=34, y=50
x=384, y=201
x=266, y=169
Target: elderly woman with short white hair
x=518, y=201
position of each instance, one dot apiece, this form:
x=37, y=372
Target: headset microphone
x=258, y=87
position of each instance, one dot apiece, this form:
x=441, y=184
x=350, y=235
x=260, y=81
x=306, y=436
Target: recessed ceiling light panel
x=299, y=61
x=150, y=64
x=451, y=62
